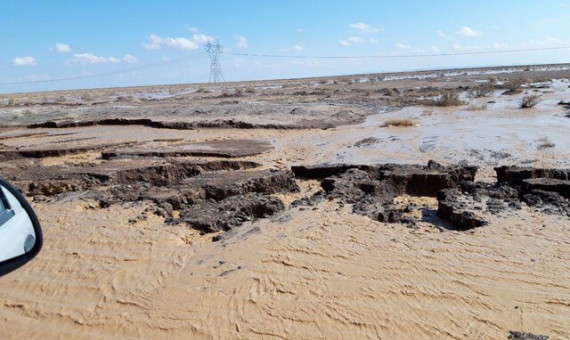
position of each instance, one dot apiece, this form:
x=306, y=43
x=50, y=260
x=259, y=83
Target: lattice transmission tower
x=215, y=51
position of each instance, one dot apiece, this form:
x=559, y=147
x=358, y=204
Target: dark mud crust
x=231, y=212
x=56, y=151
x=514, y=335
x=372, y=188
x=210, y=195
x=462, y=202
x=515, y=186
x=219, y=195
x=217, y=148
x=515, y=175
x=234, y=148
x=180, y=125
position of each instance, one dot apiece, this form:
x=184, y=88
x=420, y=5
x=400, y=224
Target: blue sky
x=57, y=39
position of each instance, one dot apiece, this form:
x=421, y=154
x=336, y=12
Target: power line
x=216, y=75
x=399, y=55
x=214, y=51
x=137, y=68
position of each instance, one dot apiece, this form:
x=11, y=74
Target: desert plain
x=419, y=205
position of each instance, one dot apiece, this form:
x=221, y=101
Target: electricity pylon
x=215, y=51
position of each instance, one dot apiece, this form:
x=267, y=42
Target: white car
x=20, y=233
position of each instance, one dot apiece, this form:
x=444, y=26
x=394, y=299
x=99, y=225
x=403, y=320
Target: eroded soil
x=290, y=210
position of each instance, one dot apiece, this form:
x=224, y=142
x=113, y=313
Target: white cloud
x=127, y=58
x=295, y=48
x=545, y=42
x=431, y=50
x=555, y=41
x=238, y=62
x=201, y=38
x=193, y=29
x=461, y=48
x=62, y=48
x=241, y=41
x=362, y=27
x=373, y=41
x=305, y=62
x=155, y=42
x=441, y=34
x=434, y=49
x=402, y=46
x=351, y=40
x=468, y=32
x=24, y=61
x=88, y=58
x=499, y=46
x=458, y=48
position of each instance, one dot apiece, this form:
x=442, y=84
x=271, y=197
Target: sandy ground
x=308, y=273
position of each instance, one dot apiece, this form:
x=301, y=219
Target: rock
x=220, y=185
x=562, y=187
x=547, y=201
x=372, y=188
x=515, y=175
x=452, y=208
x=421, y=182
x=226, y=214
x=389, y=216
x=316, y=198
x=320, y=171
x=164, y=209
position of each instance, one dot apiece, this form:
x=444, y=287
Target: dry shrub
x=480, y=91
x=13, y=101
x=448, y=98
x=513, y=86
x=529, y=101
x=479, y=107
x=399, y=123
x=250, y=89
x=87, y=97
x=390, y=91
x=544, y=143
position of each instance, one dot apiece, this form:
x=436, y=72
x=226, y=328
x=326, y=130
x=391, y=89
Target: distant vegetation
x=480, y=91
x=513, y=86
x=448, y=98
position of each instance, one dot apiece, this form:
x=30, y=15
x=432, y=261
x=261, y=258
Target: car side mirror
x=20, y=232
